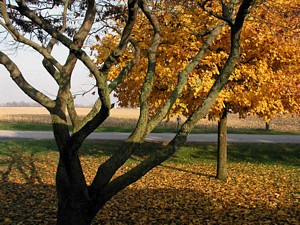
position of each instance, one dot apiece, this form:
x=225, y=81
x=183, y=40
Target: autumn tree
x=38, y=25
x=264, y=83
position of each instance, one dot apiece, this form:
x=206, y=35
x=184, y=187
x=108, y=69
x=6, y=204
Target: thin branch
x=19, y=79
x=222, y=79
x=103, y=90
x=139, y=132
x=126, y=69
x=108, y=168
x=46, y=63
x=87, y=24
x=20, y=38
x=80, y=54
x=183, y=78
x=69, y=66
x=71, y=110
x=212, y=13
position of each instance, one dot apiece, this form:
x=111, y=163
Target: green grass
x=25, y=126
x=48, y=127
x=285, y=154
x=27, y=147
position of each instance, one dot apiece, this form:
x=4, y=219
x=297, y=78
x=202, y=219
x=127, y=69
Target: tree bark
x=268, y=125
x=73, y=198
x=222, y=148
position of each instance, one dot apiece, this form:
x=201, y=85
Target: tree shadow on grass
x=23, y=162
x=262, y=153
x=24, y=198
x=190, y=153
x=285, y=154
x=33, y=202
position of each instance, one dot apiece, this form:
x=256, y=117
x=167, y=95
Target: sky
x=30, y=64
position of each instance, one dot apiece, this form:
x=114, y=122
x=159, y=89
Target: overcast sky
x=30, y=63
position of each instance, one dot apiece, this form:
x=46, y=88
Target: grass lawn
x=48, y=127
x=263, y=187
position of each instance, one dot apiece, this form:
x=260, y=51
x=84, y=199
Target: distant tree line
x=20, y=104
x=32, y=104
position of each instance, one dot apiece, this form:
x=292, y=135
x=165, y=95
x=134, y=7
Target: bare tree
x=34, y=24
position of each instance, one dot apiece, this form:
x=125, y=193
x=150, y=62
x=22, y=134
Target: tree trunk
x=222, y=148
x=74, y=201
x=73, y=198
x=73, y=216
x=268, y=125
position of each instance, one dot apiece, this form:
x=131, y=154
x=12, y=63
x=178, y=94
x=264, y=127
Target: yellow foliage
x=265, y=82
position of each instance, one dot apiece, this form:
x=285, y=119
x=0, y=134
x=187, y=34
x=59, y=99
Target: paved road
x=235, y=138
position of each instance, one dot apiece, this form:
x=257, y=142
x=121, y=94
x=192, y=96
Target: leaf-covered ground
x=174, y=193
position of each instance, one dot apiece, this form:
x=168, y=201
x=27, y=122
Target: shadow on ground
x=33, y=204
x=261, y=153
x=29, y=200
x=190, y=153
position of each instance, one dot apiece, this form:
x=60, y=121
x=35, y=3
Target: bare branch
x=87, y=24
x=138, y=134
x=126, y=69
x=20, y=38
x=47, y=64
x=80, y=54
x=162, y=154
x=212, y=13
x=108, y=168
x=18, y=78
x=103, y=90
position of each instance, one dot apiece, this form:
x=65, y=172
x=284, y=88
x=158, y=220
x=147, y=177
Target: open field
x=124, y=113
x=127, y=117
x=263, y=187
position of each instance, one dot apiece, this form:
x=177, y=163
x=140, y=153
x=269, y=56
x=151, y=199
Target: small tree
x=79, y=202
